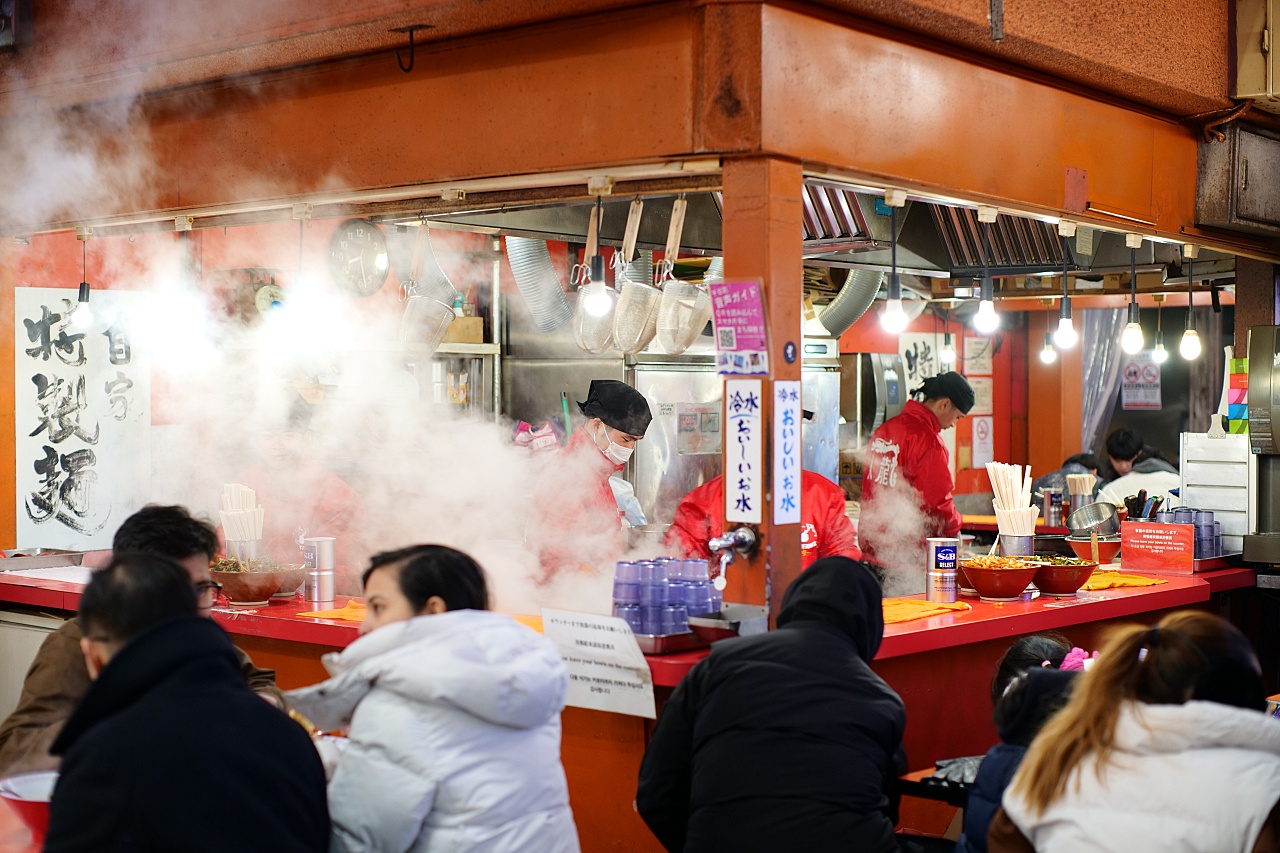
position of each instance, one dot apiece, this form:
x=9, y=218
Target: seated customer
x=170, y=750
x=1140, y=467
x=1080, y=463
x=454, y=714
x=785, y=740
x=57, y=680
x=1164, y=745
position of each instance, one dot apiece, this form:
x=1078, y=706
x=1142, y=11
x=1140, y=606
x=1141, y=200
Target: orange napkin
x=352, y=611
x=1113, y=580
x=534, y=622
x=907, y=609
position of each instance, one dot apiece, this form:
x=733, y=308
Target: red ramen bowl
x=1063, y=580
x=1000, y=584
x=28, y=794
x=1107, y=549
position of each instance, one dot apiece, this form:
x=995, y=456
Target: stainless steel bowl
x=1098, y=517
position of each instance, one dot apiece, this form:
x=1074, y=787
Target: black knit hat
x=951, y=385
x=618, y=405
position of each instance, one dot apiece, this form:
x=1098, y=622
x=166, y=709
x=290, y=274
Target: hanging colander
x=424, y=322
x=593, y=314
x=635, y=321
x=683, y=313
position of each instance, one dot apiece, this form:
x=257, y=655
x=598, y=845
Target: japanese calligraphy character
x=743, y=503
x=121, y=351
x=40, y=330
x=60, y=406
x=71, y=500
x=116, y=397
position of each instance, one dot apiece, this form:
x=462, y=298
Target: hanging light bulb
x=893, y=319
x=1158, y=353
x=1065, y=337
x=1189, y=346
x=1048, y=355
x=82, y=315
x=947, y=355
x=1131, y=339
x=986, y=320
x=595, y=293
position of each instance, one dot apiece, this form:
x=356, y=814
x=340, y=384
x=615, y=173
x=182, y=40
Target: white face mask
x=615, y=453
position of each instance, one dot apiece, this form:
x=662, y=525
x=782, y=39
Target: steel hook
x=411, y=29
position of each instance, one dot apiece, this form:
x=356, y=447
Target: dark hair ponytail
x=426, y=571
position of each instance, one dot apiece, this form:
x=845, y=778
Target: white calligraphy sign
x=786, y=452
x=82, y=412
x=607, y=670
x=743, y=441
x=919, y=357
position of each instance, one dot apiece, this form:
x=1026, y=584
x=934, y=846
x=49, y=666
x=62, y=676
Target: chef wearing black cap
x=579, y=521
x=908, y=463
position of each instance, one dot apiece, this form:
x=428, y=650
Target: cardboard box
x=465, y=330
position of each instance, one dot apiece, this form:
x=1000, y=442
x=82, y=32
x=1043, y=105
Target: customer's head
x=134, y=592
x=173, y=532
x=1085, y=460
x=948, y=395
x=1033, y=651
x=1187, y=655
x=841, y=593
x=1123, y=448
x=1029, y=701
x=421, y=580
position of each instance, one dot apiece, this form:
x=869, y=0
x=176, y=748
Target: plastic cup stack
x=658, y=596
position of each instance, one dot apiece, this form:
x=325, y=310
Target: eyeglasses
x=208, y=586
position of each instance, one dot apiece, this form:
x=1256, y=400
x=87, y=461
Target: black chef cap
x=951, y=385
x=618, y=405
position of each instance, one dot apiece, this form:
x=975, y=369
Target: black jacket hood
x=843, y=594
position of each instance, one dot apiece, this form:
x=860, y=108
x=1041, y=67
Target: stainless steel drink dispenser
x=1262, y=544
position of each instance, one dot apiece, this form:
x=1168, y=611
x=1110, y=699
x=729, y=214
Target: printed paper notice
x=698, y=429
x=737, y=318
x=978, y=352
x=744, y=440
x=984, y=445
x=607, y=670
x=1139, y=382
x=786, y=452
x=983, y=391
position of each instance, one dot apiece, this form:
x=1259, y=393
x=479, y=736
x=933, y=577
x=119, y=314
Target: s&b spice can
x=940, y=580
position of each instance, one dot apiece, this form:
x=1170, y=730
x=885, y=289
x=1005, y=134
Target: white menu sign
x=744, y=440
x=786, y=452
x=82, y=411
x=607, y=670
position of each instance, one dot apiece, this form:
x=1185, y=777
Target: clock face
x=267, y=297
x=358, y=257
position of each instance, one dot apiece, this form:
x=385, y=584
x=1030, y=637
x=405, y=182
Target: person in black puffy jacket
x=785, y=740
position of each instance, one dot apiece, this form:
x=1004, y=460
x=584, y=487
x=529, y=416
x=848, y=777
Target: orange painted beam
x=1054, y=394
x=762, y=239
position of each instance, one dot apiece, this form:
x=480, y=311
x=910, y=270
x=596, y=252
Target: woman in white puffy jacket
x=454, y=716
x=1163, y=746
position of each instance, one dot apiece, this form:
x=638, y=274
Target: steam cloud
x=898, y=526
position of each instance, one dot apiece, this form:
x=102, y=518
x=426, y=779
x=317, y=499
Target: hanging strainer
x=424, y=322
x=683, y=313
x=415, y=264
x=593, y=315
x=635, y=321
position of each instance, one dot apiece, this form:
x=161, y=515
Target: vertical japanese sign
x=82, y=414
x=737, y=317
x=919, y=358
x=743, y=477
x=786, y=452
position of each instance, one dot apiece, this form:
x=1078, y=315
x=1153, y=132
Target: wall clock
x=358, y=257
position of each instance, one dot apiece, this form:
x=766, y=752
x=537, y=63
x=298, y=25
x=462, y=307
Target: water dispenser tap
x=739, y=541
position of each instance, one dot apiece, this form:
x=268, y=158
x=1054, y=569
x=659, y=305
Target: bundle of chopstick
x=241, y=515
x=1080, y=484
x=1015, y=515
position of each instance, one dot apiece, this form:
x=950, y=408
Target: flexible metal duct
x=853, y=300
x=538, y=282
x=715, y=270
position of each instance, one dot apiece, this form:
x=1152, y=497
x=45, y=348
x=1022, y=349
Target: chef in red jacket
x=579, y=523
x=906, y=482
x=825, y=531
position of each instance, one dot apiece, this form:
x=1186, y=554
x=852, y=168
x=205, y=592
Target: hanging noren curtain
x=1100, y=361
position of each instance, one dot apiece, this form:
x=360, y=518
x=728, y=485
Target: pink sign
x=742, y=341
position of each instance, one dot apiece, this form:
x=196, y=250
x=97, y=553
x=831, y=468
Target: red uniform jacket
x=578, y=522
x=907, y=450
x=825, y=531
